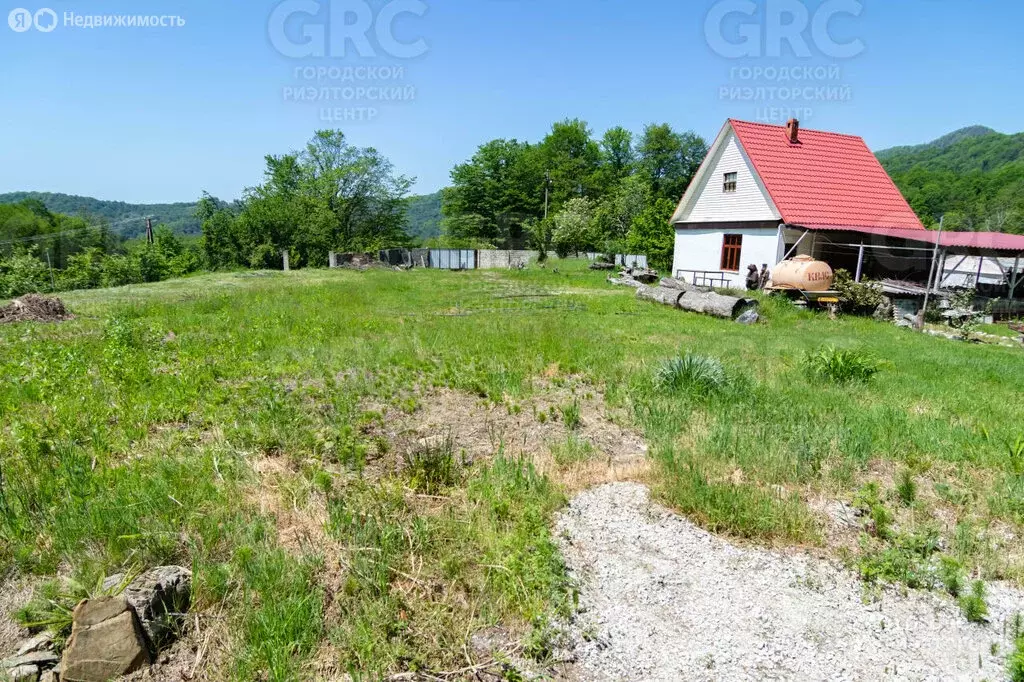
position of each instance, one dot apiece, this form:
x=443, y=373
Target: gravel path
x=664, y=600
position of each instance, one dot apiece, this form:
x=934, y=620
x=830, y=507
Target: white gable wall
x=750, y=200
x=701, y=249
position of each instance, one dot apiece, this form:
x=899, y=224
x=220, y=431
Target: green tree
x=572, y=159
x=651, y=234
x=494, y=194
x=574, y=231
x=669, y=160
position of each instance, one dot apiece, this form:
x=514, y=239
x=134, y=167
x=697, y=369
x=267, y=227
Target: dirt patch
x=567, y=431
x=34, y=308
x=14, y=594
x=299, y=511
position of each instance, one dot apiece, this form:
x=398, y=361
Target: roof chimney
x=794, y=131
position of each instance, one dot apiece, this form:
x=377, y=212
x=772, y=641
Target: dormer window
x=730, y=182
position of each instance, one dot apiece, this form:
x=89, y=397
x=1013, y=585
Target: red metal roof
x=825, y=179
x=985, y=241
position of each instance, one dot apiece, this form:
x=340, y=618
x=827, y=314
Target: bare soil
x=34, y=308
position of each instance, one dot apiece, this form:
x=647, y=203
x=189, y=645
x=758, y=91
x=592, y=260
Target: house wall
x=748, y=202
x=701, y=249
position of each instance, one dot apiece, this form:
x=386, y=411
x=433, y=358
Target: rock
x=49, y=676
x=602, y=266
x=41, y=642
x=22, y=673
x=43, y=659
x=106, y=641
x=750, y=317
x=644, y=275
x=161, y=598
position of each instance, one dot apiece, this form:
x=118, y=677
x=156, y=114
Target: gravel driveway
x=664, y=600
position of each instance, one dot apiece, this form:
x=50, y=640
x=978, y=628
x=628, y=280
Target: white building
x=763, y=189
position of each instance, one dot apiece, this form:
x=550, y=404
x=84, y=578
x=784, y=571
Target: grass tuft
x=840, y=365
x=700, y=375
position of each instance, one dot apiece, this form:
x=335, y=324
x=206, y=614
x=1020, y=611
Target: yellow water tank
x=803, y=273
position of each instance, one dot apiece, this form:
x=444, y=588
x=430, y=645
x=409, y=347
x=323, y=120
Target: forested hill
x=127, y=220
x=974, y=176
x=423, y=216
x=938, y=145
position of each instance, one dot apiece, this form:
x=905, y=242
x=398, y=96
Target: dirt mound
x=34, y=308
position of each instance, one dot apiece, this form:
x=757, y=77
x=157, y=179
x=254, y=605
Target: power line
x=51, y=235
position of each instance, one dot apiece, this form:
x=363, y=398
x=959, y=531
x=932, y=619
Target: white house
x=763, y=189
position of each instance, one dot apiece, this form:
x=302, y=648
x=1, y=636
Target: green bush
x=22, y=274
x=153, y=265
x=841, y=365
x=697, y=374
x=857, y=296
x=83, y=271
x=121, y=270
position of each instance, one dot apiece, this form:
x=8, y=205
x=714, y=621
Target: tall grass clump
x=700, y=375
x=973, y=603
x=1015, y=661
x=841, y=365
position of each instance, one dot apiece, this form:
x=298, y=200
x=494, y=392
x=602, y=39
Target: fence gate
x=453, y=259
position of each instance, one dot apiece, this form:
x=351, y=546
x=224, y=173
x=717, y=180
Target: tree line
x=42, y=252
x=571, y=192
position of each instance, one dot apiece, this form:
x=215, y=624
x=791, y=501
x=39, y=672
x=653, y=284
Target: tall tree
x=494, y=194
x=572, y=159
x=669, y=160
x=329, y=196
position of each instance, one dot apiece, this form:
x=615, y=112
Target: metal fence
x=453, y=259
x=624, y=260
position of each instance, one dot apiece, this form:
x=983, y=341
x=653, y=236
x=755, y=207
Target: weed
x=572, y=450
x=434, y=467
x=973, y=604
x=841, y=365
x=869, y=499
x=1015, y=661
x=906, y=488
x=571, y=415
x=951, y=573
x=53, y=602
x=700, y=375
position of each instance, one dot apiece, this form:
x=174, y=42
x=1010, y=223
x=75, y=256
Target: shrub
x=973, y=604
x=121, y=270
x=857, y=296
x=84, y=271
x=841, y=365
x=23, y=274
x=698, y=374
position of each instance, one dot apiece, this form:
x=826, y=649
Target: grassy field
x=299, y=439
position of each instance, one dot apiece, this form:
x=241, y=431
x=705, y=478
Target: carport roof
x=951, y=241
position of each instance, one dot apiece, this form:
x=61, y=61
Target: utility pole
x=149, y=230
x=932, y=273
x=547, y=185
x=53, y=282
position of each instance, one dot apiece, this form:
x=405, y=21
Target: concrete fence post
x=332, y=259
x=284, y=256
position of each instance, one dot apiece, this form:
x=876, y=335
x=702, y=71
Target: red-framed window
x=732, y=244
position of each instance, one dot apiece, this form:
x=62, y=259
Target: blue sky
x=161, y=114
